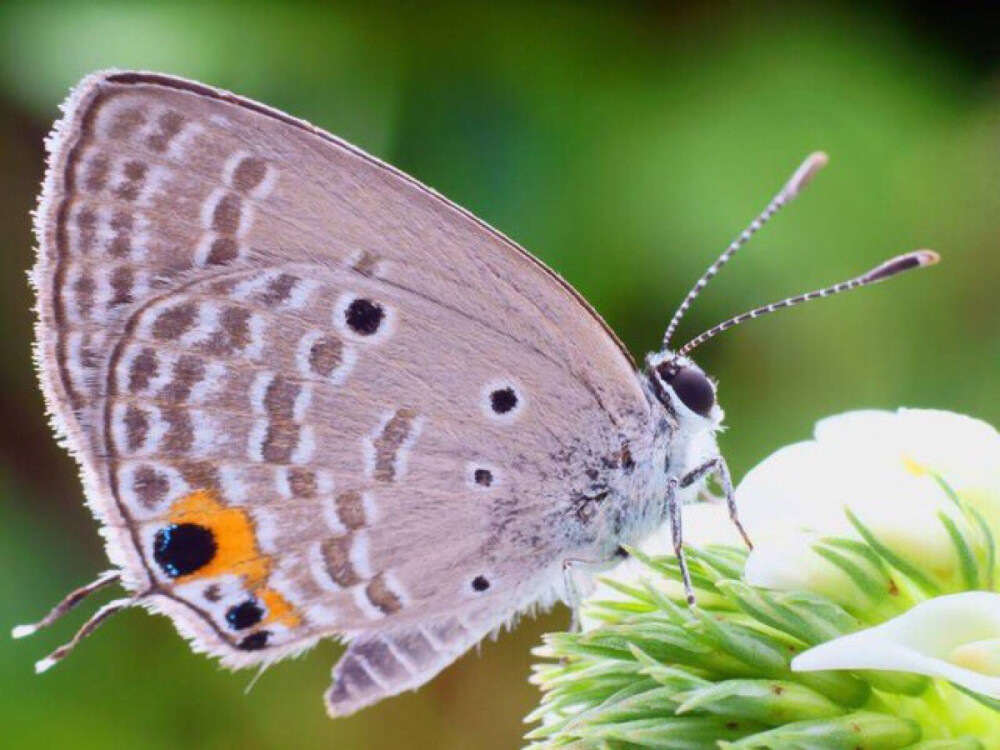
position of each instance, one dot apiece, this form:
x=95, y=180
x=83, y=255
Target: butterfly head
x=683, y=388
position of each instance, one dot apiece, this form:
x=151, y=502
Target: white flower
x=954, y=637
x=791, y=564
x=871, y=460
x=887, y=468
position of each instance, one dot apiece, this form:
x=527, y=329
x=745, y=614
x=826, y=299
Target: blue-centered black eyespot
x=244, y=615
x=691, y=386
x=183, y=548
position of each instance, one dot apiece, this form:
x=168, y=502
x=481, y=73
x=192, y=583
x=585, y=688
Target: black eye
x=692, y=388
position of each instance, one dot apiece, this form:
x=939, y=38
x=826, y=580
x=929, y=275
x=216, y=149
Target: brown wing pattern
x=306, y=393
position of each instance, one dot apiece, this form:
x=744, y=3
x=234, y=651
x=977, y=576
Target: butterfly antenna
x=900, y=263
x=808, y=169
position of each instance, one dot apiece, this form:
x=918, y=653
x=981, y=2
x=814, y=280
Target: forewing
x=308, y=395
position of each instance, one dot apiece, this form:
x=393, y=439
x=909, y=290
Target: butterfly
x=312, y=398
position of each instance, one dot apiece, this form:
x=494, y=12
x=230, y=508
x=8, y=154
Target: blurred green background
x=624, y=144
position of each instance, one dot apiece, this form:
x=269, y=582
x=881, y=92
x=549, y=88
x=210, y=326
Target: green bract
x=875, y=552
x=653, y=673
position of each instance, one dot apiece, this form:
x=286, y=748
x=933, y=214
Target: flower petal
x=869, y=458
x=885, y=467
x=790, y=564
x=963, y=450
x=790, y=492
x=955, y=637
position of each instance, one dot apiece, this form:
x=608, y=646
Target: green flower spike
x=874, y=635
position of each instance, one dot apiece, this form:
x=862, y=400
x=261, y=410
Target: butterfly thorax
x=678, y=441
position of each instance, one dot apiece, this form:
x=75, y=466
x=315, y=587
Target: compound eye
x=693, y=389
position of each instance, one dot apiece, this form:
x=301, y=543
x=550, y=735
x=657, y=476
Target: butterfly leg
x=722, y=472
x=677, y=537
x=720, y=469
x=573, y=596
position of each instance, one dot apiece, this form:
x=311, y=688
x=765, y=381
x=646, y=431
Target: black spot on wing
x=364, y=316
x=244, y=615
x=503, y=400
x=183, y=548
x=254, y=641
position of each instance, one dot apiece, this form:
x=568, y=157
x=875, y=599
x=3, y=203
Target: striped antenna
x=813, y=163
x=900, y=263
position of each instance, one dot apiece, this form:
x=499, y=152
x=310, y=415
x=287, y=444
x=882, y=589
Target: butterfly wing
x=309, y=395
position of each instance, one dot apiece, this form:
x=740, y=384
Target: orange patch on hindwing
x=236, y=542
x=278, y=608
x=236, y=551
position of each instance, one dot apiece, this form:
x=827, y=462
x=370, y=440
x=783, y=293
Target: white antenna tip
x=23, y=631
x=44, y=665
x=812, y=164
x=927, y=257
